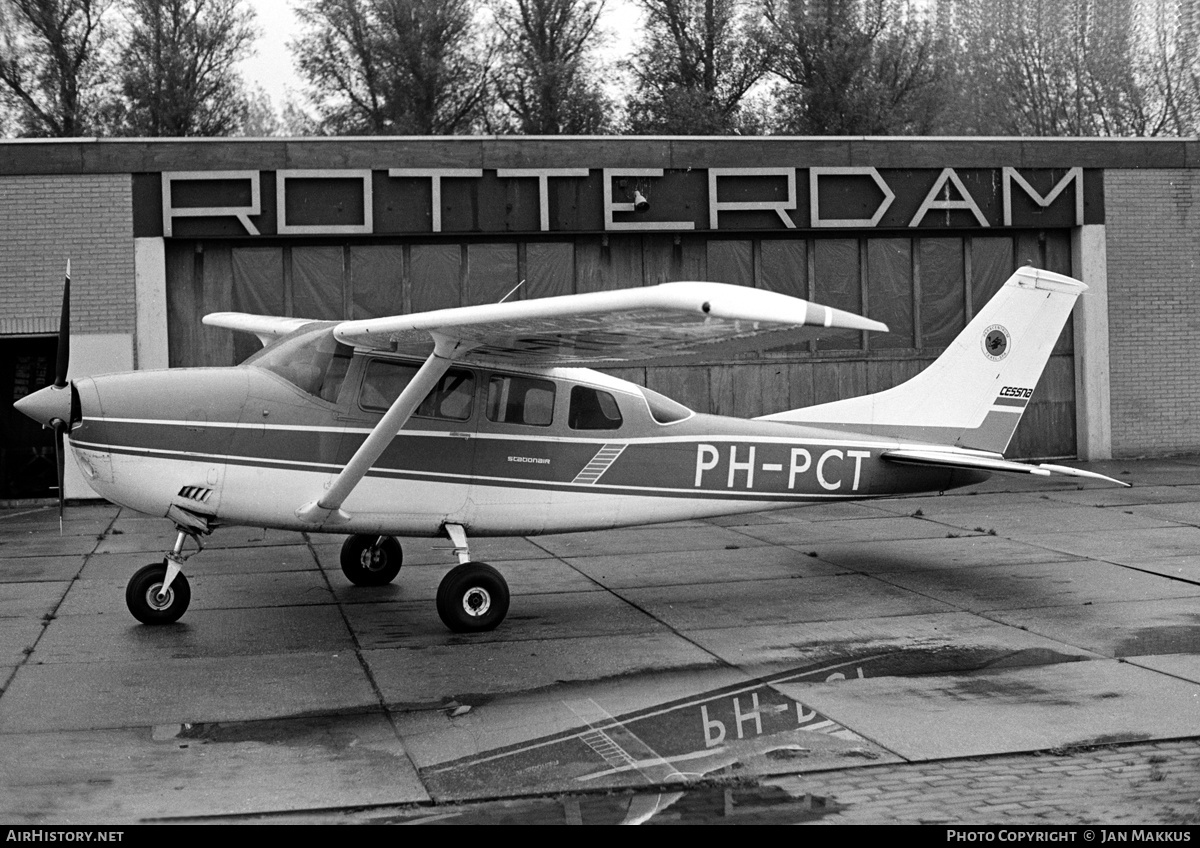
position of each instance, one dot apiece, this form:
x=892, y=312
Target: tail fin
x=974, y=395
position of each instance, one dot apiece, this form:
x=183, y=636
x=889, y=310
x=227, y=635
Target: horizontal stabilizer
x=1079, y=472
x=986, y=462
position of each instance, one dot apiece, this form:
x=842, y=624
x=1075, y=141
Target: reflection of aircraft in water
x=475, y=420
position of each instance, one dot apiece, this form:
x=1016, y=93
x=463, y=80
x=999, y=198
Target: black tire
x=366, y=564
x=141, y=595
x=472, y=598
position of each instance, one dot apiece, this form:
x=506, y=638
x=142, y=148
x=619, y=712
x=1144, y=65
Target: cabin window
x=310, y=358
x=452, y=397
x=592, y=409
x=520, y=400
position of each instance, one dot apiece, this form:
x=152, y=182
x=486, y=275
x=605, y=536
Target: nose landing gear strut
x=159, y=593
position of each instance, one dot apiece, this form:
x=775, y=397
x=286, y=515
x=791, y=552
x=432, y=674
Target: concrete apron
x=1008, y=618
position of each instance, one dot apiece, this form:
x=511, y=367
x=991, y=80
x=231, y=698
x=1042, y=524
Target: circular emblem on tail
x=995, y=342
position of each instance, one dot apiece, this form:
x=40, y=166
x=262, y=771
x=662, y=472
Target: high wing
x=672, y=322
x=266, y=327
x=665, y=324
x=985, y=462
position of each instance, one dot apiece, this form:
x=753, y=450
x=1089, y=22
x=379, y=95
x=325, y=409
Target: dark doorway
x=26, y=448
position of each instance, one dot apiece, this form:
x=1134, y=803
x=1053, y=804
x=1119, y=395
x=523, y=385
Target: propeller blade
x=60, y=429
x=64, y=333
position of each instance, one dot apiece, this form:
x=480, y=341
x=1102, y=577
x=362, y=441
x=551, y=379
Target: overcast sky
x=271, y=67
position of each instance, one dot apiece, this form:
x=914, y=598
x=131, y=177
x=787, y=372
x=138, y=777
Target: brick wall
x=1153, y=233
x=46, y=219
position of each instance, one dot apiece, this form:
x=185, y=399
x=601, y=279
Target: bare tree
x=49, y=63
x=1189, y=48
x=404, y=67
x=1073, y=67
x=548, y=75
x=855, y=67
x=695, y=67
x=1167, y=68
x=259, y=118
x=178, y=70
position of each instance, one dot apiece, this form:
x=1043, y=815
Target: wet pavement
x=1022, y=651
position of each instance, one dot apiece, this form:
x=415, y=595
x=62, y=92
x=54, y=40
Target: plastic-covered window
x=943, y=294
x=890, y=292
x=592, y=409
x=838, y=284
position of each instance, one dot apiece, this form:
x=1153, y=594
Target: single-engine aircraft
x=484, y=420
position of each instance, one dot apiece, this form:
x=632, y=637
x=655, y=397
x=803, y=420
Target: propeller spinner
x=53, y=406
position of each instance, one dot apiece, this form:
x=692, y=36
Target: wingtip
x=850, y=321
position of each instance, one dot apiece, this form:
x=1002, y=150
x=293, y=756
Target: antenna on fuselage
x=510, y=294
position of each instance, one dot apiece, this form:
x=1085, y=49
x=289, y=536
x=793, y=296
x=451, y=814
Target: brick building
x=914, y=232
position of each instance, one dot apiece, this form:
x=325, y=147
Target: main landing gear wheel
x=145, y=600
x=371, y=561
x=472, y=598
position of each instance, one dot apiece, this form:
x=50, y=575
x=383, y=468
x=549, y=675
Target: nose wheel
x=152, y=600
x=159, y=593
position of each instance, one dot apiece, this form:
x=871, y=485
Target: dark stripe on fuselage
x=474, y=480
x=730, y=467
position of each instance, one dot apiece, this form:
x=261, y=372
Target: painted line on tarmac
x=24, y=512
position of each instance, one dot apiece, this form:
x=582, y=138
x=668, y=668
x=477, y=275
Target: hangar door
x=27, y=464
x=925, y=288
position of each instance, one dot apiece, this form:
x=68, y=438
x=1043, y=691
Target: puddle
x=999, y=690
x=747, y=729
x=1167, y=639
x=329, y=732
x=696, y=805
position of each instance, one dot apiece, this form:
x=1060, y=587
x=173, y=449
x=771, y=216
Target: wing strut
x=327, y=508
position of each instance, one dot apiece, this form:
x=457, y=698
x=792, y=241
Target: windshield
x=309, y=358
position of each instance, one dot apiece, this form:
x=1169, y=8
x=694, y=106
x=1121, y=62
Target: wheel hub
x=476, y=601
x=373, y=559
x=157, y=599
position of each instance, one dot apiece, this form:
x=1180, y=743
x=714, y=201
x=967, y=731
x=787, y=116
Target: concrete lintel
x=1093, y=405
x=150, y=285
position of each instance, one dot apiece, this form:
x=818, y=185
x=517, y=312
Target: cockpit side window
x=311, y=359
x=593, y=409
x=335, y=375
x=452, y=398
